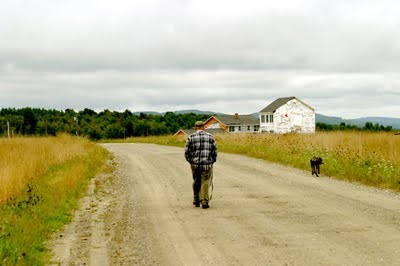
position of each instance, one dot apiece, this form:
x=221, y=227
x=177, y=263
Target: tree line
x=88, y=123
x=113, y=124
x=369, y=126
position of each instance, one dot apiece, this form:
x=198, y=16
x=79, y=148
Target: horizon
x=186, y=111
x=337, y=57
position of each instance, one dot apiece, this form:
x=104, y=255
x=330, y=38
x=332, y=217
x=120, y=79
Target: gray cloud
x=341, y=57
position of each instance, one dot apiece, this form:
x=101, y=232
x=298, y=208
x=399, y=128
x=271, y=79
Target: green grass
x=28, y=220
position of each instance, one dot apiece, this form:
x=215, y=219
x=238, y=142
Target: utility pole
x=8, y=128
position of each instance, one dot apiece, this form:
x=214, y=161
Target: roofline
x=180, y=130
x=205, y=122
x=289, y=99
x=230, y=124
x=305, y=104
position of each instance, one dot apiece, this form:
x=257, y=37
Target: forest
x=103, y=125
x=369, y=126
x=113, y=124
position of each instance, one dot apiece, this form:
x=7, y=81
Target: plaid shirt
x=201, y=150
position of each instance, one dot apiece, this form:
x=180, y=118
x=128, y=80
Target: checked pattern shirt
x=201, y=150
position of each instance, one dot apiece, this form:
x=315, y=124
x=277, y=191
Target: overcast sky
x=341, y=57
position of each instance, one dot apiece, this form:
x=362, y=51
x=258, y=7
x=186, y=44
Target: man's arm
x=187, y=150
x=214, y=151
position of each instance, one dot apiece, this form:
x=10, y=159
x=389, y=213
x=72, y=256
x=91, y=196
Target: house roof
x=185, y=131
x=279, y=102
x=212, y=131
x=240, y=120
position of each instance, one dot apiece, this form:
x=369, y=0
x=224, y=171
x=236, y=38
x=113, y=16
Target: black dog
x=315, y=163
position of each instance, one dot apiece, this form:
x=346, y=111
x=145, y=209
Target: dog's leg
x=312, y=167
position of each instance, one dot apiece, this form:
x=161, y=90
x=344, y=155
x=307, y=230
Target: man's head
x=199, y=125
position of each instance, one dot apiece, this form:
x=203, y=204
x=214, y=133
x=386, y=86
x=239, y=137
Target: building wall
x=214, y=123
x=243, y=129
x=294, y=116
x=267, y=122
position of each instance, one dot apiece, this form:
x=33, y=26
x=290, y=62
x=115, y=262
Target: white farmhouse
x=286, y=115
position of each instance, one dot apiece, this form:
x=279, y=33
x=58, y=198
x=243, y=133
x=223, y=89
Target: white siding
x=293, y=116
x=265, y=122
x=243, y=129
x=215, y=125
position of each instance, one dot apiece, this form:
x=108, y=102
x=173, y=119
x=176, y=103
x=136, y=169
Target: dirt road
x=260, y=214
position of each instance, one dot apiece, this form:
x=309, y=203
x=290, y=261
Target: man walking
x=201, y=153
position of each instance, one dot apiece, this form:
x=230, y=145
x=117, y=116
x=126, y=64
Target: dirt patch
x=85, y=241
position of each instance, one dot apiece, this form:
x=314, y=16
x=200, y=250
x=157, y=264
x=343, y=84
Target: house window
x=256, y=128
x=248, y=128
x=262, y=118
x=271, y=118
x=240, y=128
x=231, y=129
x=267, y=118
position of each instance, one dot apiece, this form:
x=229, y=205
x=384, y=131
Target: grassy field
x=369, y=158
x=41, y=181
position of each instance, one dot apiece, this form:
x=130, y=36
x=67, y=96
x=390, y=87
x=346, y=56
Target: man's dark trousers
x=201, y=183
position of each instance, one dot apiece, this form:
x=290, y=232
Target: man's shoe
x=205, y=206
x=196, y=204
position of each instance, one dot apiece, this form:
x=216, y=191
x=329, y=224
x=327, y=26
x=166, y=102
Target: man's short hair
x=199, y=124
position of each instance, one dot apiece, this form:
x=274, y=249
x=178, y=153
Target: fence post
x=76, y=120
x=8, y=128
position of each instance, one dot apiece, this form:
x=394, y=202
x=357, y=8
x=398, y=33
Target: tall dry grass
x=350, y=145
x=41, y=183
x=365, y=157
x=28, y=158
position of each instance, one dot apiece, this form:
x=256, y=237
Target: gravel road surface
x=261, y=214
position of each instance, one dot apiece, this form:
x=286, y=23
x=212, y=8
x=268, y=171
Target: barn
x=288, y=114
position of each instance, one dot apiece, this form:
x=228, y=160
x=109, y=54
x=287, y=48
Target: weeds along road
x=260, y=214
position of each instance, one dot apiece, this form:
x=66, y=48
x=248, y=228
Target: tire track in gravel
x=261, y=214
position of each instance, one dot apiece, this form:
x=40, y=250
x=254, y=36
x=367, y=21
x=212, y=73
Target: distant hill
x=148, y=113
x=330, y=120
x=360, y=122
x=197, y=112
